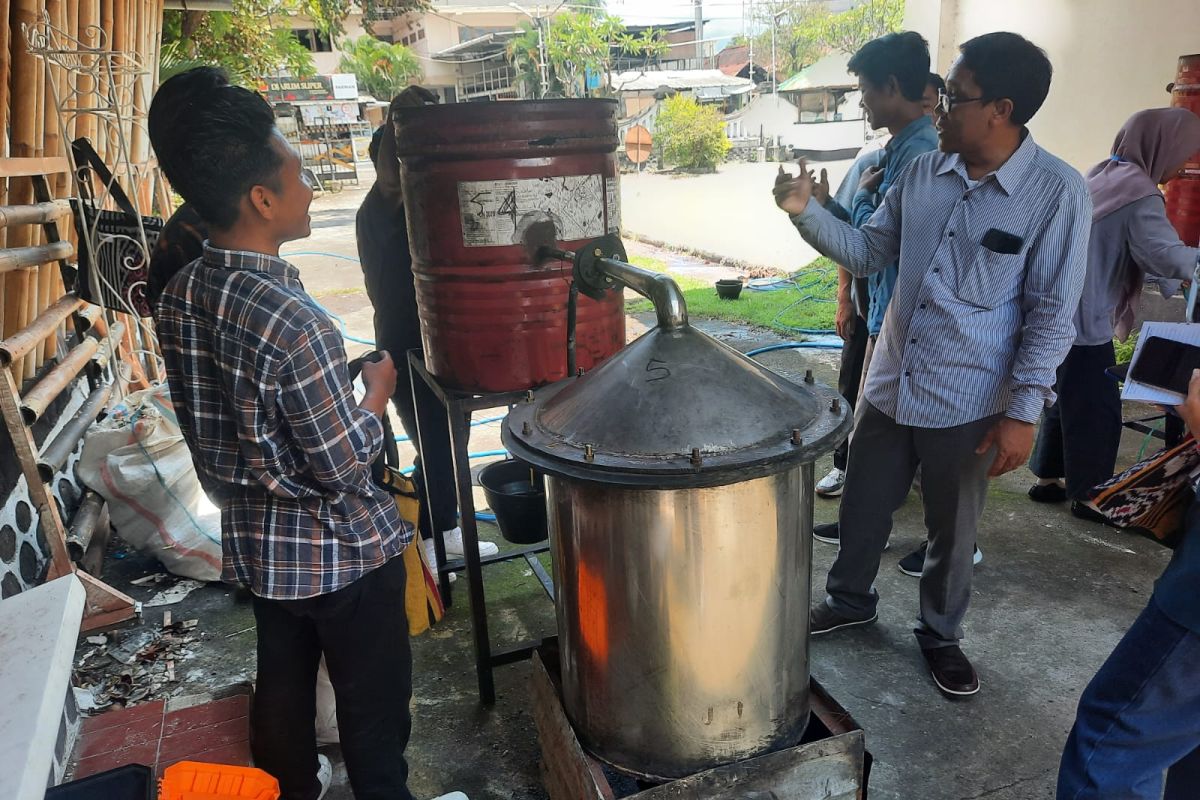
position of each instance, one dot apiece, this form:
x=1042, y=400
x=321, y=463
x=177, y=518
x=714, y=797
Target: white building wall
x=1111, y=58
x=773, y=116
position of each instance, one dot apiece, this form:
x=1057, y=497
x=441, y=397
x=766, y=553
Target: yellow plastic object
x=192, y=780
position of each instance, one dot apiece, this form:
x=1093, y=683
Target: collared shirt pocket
x=990, y=279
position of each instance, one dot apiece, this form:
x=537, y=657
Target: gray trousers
x=883, y=460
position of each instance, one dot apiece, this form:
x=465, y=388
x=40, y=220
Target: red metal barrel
x=474, y=175
x=1183, y=193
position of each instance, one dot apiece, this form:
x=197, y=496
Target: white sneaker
x=454, y=544
x=452, y=796
x=431, y=559
x=832, y=484
x=324, y=774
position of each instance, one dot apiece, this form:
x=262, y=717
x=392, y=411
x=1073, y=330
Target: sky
x=724, y=16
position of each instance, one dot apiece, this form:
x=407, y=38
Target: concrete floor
x=712, y=213
x=1052, y=597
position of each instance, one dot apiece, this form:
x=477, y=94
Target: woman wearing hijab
x=1131, y=238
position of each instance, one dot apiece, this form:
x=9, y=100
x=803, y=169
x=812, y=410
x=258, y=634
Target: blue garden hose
x=814, y=345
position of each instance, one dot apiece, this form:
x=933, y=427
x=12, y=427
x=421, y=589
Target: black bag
x=118, y=280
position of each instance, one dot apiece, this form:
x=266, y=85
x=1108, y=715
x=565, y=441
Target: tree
x=651, y=44
x=799, y=27
x=330, y=14
x=577, y=44
x=525, y=55
x=253, y=40
x=807, y=31
x=382, y=69
x=691, y=135
x=242, y=41
x=870, y=19
x=582, y=43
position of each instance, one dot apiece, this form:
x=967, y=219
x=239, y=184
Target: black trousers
x=1081, y=432
x=854, y=351
x=363, y=632
x=434, y=473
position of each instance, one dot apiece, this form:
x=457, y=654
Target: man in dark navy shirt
x=382, y=233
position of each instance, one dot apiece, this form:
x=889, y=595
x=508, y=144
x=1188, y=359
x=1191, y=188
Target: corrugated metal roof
x=678, y=79
x=487, y=44
x=828, y=73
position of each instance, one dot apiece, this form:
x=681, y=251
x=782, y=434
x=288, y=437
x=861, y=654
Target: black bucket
x=518, y=502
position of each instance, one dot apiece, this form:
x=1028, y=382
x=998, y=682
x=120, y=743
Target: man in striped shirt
x=259, y=379
x=991, y=235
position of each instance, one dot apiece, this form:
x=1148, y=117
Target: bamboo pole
x=71, y=26
x=53, y=145
x=70, y=101
x=24, y=144
x=37, y=276
x=56, y=85
x=5, y=72
x=137, y=134
x=83, y=526
x=19, y=258
x=17, y=346
x=90, y=317
x=89, y=14
x=105, y=136
x=36, y=214
x=118, y=43
x=35, y=402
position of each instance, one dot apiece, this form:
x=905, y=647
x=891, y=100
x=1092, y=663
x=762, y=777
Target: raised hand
x=793, y=193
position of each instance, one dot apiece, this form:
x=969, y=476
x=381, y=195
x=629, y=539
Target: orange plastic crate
x=192, y=780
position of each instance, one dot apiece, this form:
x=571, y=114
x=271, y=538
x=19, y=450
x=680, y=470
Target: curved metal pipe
x=660, y=289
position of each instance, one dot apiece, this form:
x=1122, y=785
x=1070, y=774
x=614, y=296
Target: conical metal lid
x=676, y=408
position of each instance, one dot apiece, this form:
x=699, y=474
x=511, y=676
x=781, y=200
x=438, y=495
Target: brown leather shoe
x=951, y=671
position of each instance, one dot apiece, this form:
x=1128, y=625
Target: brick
x=236, y=754
x=144, y=755
x=124, y=716
x=198, y=740
x=137, y=733
x=207, y=714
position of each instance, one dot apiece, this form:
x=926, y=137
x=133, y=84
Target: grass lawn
x=808, y=303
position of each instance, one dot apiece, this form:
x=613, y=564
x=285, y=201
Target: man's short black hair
x=213, y=142
x=171, y=107
x=936, y=81
x=1009, y=66
x=904, y=55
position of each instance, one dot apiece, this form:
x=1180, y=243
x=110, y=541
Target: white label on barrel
x=612, y=200
x=494, y=213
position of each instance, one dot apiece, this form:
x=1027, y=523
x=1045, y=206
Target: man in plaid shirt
x=259, y=379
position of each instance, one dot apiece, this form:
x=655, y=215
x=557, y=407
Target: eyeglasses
x=946, y=103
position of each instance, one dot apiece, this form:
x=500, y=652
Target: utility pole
x=699, y=33
x=542, y=55
x=774, y=58
x=538, y=19
x=750, y=39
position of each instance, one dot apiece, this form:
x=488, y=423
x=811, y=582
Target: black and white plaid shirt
x=258, y=376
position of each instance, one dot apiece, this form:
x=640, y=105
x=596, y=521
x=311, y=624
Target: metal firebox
x=679, y=485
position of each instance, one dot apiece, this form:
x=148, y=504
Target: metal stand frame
x=459, y=407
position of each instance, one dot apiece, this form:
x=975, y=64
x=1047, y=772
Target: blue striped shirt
x=969, y=332
x=917, y=137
